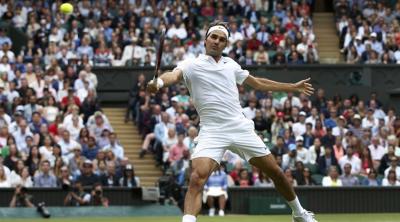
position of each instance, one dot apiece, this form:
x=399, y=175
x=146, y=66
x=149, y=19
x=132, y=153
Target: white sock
x=296, y=206
x=188, y=218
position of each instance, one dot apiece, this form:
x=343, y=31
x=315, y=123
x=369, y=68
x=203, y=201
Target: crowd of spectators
x=53, y=132
x=369, y=31
x=315, y=140
x=125, y=33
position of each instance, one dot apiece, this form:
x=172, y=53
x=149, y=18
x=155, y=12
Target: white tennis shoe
x=306, y=216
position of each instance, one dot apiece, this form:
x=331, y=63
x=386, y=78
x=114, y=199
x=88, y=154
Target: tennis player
x=212, y=82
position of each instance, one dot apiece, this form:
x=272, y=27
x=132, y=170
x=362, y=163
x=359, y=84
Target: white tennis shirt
x=213, y=89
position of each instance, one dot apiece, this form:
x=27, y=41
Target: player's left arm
x=264, y=84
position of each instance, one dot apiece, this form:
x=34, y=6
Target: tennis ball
x=66, y=8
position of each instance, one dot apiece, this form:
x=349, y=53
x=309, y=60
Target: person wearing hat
x=87, y=177
x=174, y=106
x=340, y=129
x=76, y=161
x=302, y=153
x=376, y=45
x=289, y=159
x=299, y=128
x=356, y=128
x=129, y=178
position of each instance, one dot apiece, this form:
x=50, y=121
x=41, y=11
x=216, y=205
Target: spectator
x=354, y=161
x=87, y=177
x=377, y=151
x=45, y=178
x=332, y=180
x=263, y=181
x=307, y=179
x=302, y=153
x=315, y=152
x=347, y=178
x=4, y=180
x=110, y=179
x=216, y=187
x=176, y=151
x=372, y=180
x=279, y=149
x=114, y=146
x=129, y=178
x=391, y=179
x=393, y=167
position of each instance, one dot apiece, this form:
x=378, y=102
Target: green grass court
x=229, y=218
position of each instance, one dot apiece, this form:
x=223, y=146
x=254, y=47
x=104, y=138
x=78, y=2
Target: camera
x=98, y=192
x=42, y=210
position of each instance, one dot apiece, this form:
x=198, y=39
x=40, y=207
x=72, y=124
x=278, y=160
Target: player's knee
x=197, y=180
x=275, y=172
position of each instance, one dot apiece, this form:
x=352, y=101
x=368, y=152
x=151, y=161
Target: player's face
x=215, y=43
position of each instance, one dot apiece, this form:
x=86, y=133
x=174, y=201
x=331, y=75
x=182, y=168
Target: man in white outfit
x=211, y=80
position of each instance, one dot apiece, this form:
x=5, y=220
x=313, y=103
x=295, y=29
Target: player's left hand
x=304, y=86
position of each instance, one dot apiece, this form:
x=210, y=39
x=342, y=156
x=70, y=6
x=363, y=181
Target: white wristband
x=160, y=83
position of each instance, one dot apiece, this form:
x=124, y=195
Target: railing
x=254, y=200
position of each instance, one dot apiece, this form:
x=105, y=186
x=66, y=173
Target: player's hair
x=220, y=23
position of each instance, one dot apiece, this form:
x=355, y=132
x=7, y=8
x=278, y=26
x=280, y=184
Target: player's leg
x=202, y=167
x=268, y=165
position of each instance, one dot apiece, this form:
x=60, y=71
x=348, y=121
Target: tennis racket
x=159, y=54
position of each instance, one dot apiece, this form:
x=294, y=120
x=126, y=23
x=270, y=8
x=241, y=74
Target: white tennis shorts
x=239, y=138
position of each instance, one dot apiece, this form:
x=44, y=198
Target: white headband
x=219, y=28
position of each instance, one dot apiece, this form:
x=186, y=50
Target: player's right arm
x=167, y=79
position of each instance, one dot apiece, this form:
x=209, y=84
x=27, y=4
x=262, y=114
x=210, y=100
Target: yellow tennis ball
x=66, y=8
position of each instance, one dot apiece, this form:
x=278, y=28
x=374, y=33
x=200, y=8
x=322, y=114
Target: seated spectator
x=110, y=179
x=45, y=178
x=99, y=125
x=77, y=196
x=4, y=180
x=393, y=166
x=76, y=162
x=302, y=153
x=216, y=187
x=176, y=150
x=347, y=178
x=87, y=177
x=292, y=181
x=129, y=179
x=332, y=180
x=372, y=179
x=114, y=146
x=326, y=161
x=391, y=179
x=354, y=161
x=307, y=180
x=64, y=180
x=263, y=181
x=90, y=149
x=316, y=151
x=289, y=159
x=279, y=149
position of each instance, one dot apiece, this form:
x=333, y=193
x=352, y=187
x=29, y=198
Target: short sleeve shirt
x=213, y=87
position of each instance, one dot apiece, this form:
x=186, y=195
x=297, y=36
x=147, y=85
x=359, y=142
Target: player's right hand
x=152, y=86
